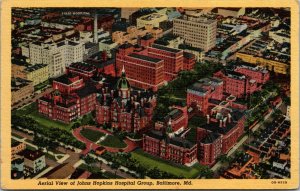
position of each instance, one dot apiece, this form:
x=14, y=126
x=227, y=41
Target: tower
x=95, y=28
x=123, y=85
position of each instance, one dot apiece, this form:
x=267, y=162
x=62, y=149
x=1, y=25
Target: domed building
x=123, y=86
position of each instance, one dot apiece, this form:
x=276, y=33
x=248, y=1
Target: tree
x=115, y=166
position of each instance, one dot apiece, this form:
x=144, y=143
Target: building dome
x=123, y=83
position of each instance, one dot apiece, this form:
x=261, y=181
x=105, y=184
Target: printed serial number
x=279, y=182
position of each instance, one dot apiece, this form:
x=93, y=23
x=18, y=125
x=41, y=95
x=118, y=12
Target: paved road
x=74, y=158
x=131, y=145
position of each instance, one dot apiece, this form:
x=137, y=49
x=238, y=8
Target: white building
x=57, y=55
x=152, y=19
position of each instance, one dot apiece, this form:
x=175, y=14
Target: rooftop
x=173, y=50
x=146, y=58
x=31, y=155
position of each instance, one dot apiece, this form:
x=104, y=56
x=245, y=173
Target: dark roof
x=174, y=114
x=155, y=134
x=197, y=87
x=147, y=36
x=125, y=45
x=214, y=126
x=19, y=62
x=82, y=66
x=146, y=58
x=210, y=138
x=35, y=67
x=65, y=78
x=31, y=155
x=86, y=90
x=173, y=50
x=181, y=142
x=188, y=55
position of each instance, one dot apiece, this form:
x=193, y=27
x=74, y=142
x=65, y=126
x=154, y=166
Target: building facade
x=205, y=38
x=123, y=108
x=175, y=149
x=20, y=89
x=72, y=98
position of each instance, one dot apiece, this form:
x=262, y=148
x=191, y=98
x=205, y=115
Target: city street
x=74, y=158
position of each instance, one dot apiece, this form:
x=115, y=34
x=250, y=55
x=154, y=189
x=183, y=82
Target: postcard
x=149, y=94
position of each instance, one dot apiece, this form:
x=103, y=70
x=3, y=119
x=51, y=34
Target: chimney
x=224, y=122
x=112, y=93
x=220, y=125
x=229, y=118
x=95, y=28
x=207, y=116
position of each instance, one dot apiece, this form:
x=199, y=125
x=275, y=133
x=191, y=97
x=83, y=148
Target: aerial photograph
x=150, y=93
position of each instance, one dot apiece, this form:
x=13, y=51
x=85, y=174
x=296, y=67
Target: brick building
x=176, y=149
x=142, y=71
x=72, y=98
x=237, y=84
x=223, y=128
x=177, y=119
x=259, y=74
x=200, y=93
x=149, y=67
x=124, y=108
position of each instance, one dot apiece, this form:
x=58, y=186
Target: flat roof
x=146, y=58
x=173, y=50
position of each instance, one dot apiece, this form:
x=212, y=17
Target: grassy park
x=112, y=141
x=91, y=135
x=150, y=161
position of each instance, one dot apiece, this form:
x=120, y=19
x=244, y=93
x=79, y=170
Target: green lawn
x=48, y=123
x=112, y=141
x=91, y=134
x=31, y=111
x=150, y=161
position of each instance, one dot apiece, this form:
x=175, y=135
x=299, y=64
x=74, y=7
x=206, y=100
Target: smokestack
x=220, y=123
x=224, y=122
x=95, y=28
x=229, y=118
x=112, y=93
x=207, y=116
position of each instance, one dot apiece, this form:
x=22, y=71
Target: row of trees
x=53, y=133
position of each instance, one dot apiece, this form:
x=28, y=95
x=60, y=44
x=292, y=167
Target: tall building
x=149, y=67
x=196, y=31
x=56, y=55
x=173, y=59
x=142, y=71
